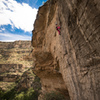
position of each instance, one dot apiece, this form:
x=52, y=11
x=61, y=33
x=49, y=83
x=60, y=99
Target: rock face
x=70, y=61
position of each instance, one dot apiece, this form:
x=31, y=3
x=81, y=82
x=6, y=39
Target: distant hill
x=15, y=59
x=16, y=44
x=18, y=52
x=17, y=80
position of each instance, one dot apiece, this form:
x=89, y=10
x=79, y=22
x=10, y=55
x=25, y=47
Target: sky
x=17, y=18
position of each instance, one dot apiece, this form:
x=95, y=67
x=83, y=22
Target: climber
x=58, y=29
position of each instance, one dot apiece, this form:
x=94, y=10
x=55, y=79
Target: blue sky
x=17, y=18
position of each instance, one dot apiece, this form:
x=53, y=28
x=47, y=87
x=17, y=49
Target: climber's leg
x=59, y=32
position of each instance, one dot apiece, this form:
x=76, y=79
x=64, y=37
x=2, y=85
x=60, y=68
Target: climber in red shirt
x=58, y=29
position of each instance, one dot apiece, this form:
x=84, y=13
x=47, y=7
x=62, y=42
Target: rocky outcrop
x=28, y=80
x=70, y=62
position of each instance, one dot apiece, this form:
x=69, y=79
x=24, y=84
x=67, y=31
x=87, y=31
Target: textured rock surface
x=74, y=56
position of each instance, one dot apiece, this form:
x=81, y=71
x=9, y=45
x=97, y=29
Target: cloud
x=2, y=29
x=12, y=37
x=21, y=16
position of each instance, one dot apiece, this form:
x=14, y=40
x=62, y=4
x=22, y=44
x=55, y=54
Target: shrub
x=53, y=96
x=1, y=93
x=20, y=96
x=29, y=94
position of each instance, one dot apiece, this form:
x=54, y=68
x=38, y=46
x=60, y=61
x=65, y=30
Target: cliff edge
x=68, y=63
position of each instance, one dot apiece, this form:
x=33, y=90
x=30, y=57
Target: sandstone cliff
x=70, y=62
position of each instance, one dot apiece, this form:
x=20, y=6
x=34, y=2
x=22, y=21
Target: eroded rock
x=72, y=57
